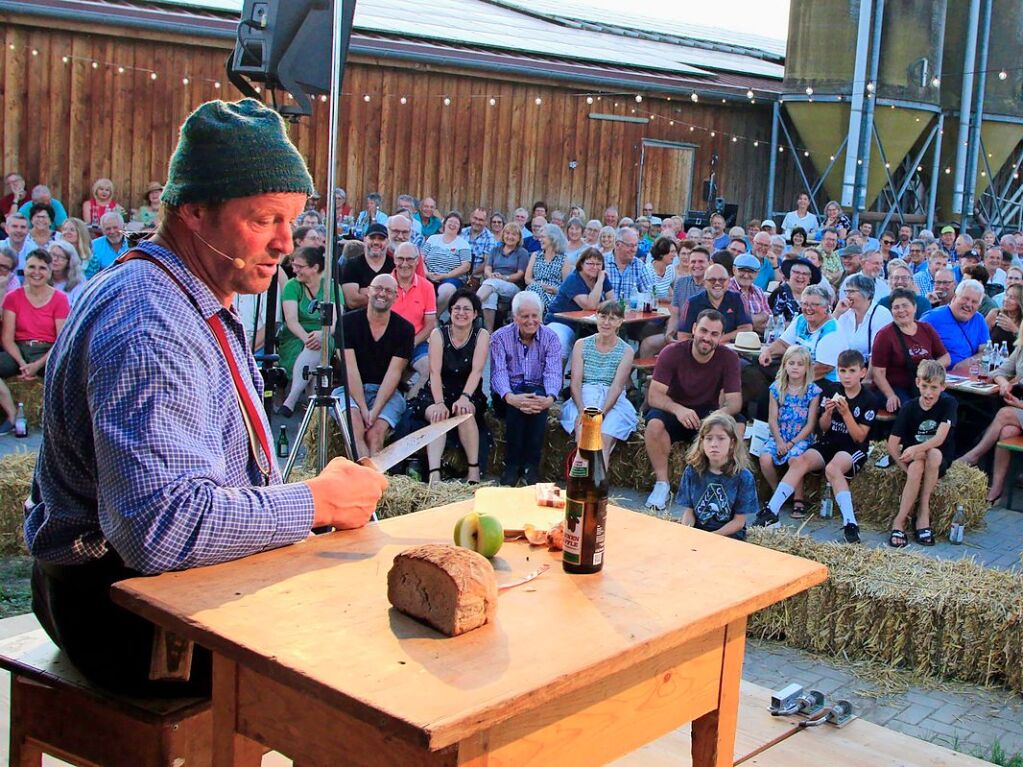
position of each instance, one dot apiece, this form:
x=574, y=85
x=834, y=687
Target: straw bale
x=30, y=393
x=15, y=484
x=629, y=466
x=952, y=619
x=876, y=494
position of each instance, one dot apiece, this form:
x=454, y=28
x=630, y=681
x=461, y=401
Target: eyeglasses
x=800, y=273
x=810, y=307
x=405, y=259
x=716, y=280
x=382, y=291
x=887, y=242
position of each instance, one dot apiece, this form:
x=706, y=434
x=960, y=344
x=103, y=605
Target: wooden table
x=310, y=660
x=632, y=316
x=972, y=384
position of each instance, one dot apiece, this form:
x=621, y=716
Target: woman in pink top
x=32, y=317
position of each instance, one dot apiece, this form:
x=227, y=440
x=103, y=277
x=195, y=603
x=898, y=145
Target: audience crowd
x=809, y=332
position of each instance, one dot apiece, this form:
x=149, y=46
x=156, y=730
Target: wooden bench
x=55, y=711
x=1015, y=446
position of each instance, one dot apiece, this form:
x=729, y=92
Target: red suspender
x=250, y=415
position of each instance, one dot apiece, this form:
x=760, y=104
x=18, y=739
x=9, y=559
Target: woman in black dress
x=458, y=354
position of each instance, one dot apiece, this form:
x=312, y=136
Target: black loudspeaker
x=286, y=44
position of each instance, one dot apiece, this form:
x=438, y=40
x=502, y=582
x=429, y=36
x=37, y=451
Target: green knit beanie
x=233, y=149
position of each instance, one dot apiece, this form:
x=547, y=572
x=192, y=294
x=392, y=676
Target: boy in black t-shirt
x=846, y=418
x=922, y=445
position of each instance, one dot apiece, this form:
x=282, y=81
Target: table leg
x=714, y=733
x=230, y=749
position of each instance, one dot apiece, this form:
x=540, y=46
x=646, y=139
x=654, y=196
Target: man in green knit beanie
x=156, y=451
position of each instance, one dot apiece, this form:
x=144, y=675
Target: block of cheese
x=448, y=587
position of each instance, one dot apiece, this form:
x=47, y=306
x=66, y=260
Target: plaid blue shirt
x=144, y=448
x=633, y=279
x=481, y=245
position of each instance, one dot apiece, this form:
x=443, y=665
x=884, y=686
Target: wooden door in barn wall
x=666, y=175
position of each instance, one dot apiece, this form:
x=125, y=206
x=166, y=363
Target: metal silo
x=833, y=72
x=997, y=58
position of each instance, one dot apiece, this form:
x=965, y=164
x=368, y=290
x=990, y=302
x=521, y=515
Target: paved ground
x=966, y=717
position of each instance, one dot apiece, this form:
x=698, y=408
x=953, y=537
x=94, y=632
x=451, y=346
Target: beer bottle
x=20, y=423
x=283, y=446
x=586, y=501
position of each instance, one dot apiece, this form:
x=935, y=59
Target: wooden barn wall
x=66, y=124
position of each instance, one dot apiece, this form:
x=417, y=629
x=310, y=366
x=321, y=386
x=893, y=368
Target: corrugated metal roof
x=543, y=28
x=665, y=24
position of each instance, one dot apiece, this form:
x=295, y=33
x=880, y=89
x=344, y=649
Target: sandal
x=924, y=536
x=429, y=476
x=897, y=539
x=798, y=510
x=472, y=481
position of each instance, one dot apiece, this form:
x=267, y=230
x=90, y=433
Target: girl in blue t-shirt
x=717, y=490
x=792, y=419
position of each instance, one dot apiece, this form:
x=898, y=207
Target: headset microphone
x=238, y=263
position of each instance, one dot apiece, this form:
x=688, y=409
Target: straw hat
x=748, y=341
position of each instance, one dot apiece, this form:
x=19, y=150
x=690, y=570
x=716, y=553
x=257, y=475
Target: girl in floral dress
x=795, y=402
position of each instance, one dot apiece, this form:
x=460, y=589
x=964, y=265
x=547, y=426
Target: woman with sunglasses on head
x=458, y=354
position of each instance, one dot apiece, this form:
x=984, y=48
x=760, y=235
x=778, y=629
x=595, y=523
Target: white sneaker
x=658, y=498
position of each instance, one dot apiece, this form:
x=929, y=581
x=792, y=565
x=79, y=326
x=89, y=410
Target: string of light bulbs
x=590, y=98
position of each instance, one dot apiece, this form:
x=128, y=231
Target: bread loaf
x=448, y=587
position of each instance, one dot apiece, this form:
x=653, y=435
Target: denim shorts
x=419, y=352
x=391, y=412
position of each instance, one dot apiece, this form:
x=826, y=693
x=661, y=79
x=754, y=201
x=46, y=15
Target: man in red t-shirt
x=417, y=303
x=691, y=380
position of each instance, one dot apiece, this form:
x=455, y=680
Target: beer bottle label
x=575, y=524
x=573, y=544
x=580, y=467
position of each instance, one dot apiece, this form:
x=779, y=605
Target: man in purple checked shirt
x=525, y=378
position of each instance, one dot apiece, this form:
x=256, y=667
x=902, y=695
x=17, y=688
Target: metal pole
x=975, y=147
x=772, y=165
x=909, y=177
x=932, y=192
x=867, y=130
x=856, y=104
x=965, y=107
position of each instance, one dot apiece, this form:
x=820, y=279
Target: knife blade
x=401, y=449
x=525, y=578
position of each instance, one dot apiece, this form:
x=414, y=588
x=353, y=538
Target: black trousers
x=111, y=646
x=523, y=434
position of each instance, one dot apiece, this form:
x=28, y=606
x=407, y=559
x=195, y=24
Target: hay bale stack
x=630, y=465
x=944, y=618
x=15, y=484
x=876, y=493
x=30, y=393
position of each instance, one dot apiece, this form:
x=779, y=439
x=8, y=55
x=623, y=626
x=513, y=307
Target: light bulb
x=184, y=81
x=447, y=101
x=1001, y=75
x=152, y=76
x=639, y=99
x=493, y=102
x=538, y=101
x=589, y=99
x=809, y=91
x=749, y=93
x=403, y=100
x=366, y=98
x=694, y=98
